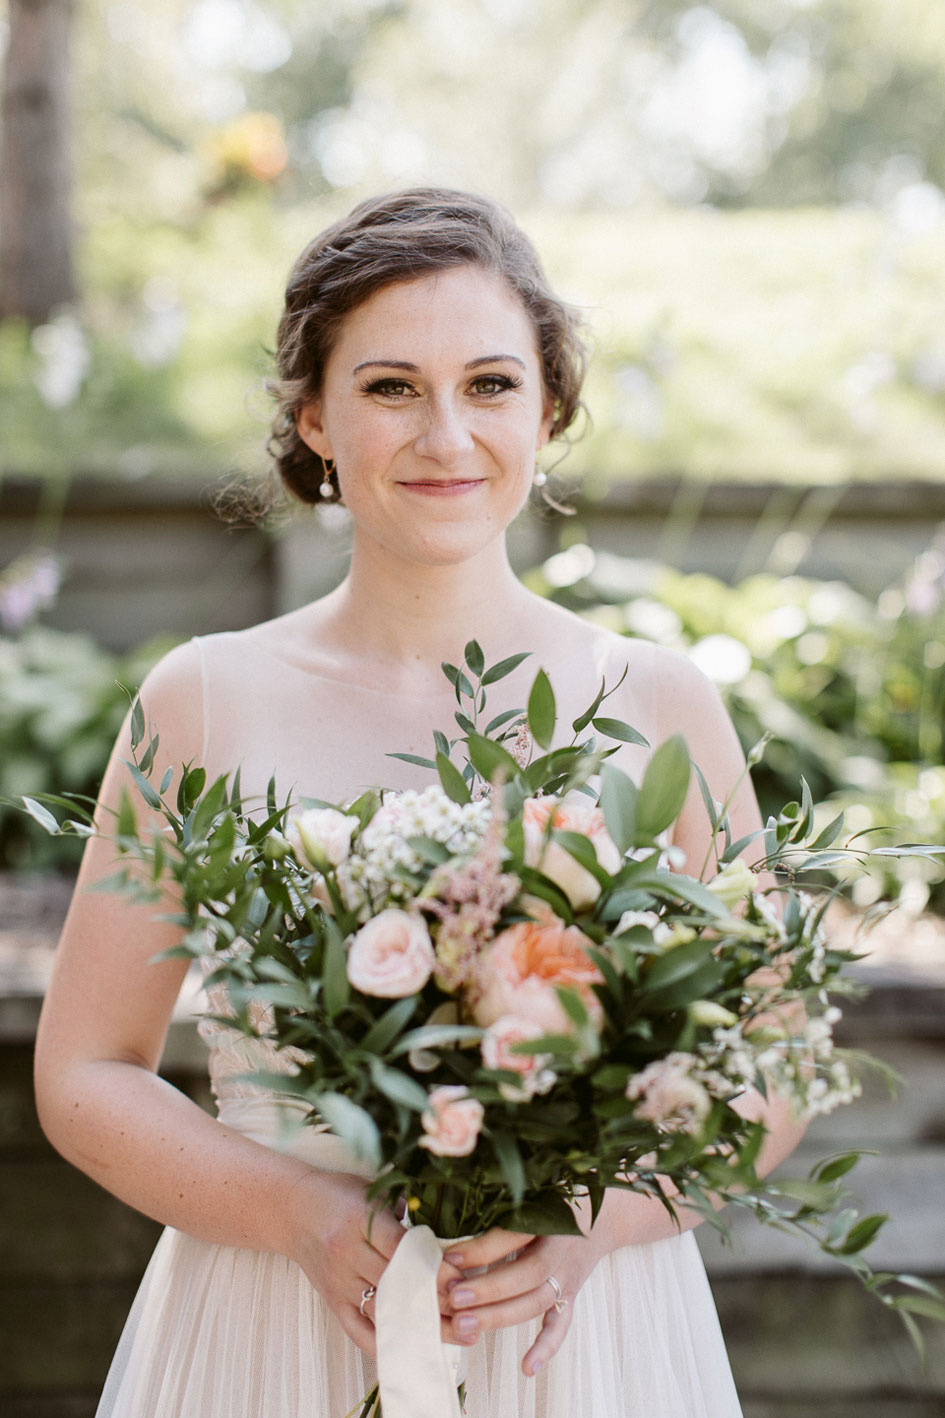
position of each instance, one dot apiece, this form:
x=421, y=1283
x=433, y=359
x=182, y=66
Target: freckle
x=181, y=1195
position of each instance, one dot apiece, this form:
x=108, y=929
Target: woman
x=424, y=365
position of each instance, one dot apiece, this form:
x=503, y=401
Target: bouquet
x=503, y=993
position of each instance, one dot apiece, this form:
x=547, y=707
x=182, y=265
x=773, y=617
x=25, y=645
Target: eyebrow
x=415, y=369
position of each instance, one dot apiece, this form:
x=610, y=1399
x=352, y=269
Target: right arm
x=103, y=1106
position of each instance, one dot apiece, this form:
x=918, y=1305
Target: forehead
x=463, y=312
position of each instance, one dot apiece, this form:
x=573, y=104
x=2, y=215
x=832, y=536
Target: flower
x=672, y=1097
x=733, y=883
x=391, y=956
x=323, y=835
x=580, y=887
x=452, y=1122
x=497, y=1046
x=519, y=972
x=710, y=1014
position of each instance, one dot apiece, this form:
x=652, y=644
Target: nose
x=445, y=435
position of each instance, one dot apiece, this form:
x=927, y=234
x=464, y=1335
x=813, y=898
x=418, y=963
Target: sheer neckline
x=296, y=662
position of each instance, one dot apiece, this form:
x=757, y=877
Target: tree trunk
x=35, y=162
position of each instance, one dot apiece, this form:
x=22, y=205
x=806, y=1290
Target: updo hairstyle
x=402, y=237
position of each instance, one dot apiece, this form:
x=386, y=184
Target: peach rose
x=551, y=858
x=497, y=1045
x=452, y=1122
x=518, y=973
x=391, y=956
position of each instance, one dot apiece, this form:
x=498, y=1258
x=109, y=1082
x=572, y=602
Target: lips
x=443, y=487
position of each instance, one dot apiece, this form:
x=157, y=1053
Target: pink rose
x=519, y=971
x=452, y=1122
x=391, y=956
x=497, y=1045
x=551, y=858
x=669, y=1095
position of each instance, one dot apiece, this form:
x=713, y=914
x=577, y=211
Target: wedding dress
x=223, y=1332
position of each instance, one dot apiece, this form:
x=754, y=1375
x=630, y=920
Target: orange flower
x=520, y=970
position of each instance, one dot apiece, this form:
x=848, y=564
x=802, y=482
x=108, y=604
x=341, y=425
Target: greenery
x=62, y=700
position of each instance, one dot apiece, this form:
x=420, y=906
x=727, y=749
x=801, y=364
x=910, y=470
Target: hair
x=404, y=236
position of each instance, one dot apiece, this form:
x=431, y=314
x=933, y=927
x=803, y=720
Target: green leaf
x=137, y=722
x=541, y=710
x=504, y=667
x=429, y=850
x=677, y=964
x=663, y=790
x=144, y=787
x=352, y=1124
x=489, y=758
x=617, y=729
x=831, y=1168
x=618, y=803
x=454, y=785
x=581, y=722
x=502, y=719
x=167, y=780
x=398, y=1087
x=474, y=657
x=337, y=988
x=436, y=1036
x=549, y=1216
x=191, y=786
x=384, y=1031
x=861, y=1235
x=510, y=1163
x=414, y=758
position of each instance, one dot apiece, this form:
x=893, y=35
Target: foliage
x=852, y=693
x=62, y=700
x=659, y=997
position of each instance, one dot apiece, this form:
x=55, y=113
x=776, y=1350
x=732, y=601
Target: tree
x=36, y=272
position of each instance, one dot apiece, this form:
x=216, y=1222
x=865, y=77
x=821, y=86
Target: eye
x=388, y=388
x=491, y=384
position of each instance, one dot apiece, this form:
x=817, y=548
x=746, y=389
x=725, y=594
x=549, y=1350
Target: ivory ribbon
x=418, y=1374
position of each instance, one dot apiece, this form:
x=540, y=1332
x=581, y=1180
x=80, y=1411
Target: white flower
x=581, y=888
x=670, y=1094
x=649, y=919
x=733, y=883
x=322, y=835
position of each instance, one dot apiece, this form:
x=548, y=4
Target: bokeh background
x=746, y=199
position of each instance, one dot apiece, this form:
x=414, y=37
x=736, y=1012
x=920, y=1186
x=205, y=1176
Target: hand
x=517, y=1288
x=343, y=1243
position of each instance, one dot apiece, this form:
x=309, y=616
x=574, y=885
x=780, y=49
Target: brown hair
x=401, y=237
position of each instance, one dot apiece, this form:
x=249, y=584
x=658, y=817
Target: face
x=433, y=409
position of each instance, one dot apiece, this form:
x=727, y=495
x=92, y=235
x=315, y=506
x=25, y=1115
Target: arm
x=103, y=1106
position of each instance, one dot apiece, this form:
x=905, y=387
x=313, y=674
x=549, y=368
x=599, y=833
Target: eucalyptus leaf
x=541, y=711
x=663, y=790
x=454, y=784
x=504, y=667
x=352, y=1124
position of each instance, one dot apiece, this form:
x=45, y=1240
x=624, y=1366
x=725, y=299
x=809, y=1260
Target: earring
x=325, y=488
x=540, y=477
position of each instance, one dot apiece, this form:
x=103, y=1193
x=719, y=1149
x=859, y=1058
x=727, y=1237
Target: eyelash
x=504, y=383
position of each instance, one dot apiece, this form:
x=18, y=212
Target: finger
x=486, y=1249
x=359, y=1329
x=467, y=1325
x=554, y=1327
x=526, y=1272
x=383, y=1231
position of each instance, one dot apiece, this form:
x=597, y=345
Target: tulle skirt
x=222, y=1332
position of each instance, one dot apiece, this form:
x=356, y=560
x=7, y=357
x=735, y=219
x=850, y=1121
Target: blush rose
x=520, y=970
x=391, y=956
x=452, y=1122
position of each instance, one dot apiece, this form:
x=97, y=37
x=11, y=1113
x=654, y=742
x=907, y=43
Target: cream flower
x=580, y=887
x=322, y=835
x=733, y=883
x=669, y=1095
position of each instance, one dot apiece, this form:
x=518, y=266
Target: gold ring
x=367, y=1295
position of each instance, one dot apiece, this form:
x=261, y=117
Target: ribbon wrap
x=418, y=1374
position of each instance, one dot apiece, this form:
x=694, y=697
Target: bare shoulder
x=171, y=696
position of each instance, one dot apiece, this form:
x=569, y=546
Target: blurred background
x=746, y=199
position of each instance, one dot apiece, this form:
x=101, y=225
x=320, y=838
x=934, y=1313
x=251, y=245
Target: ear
x=308, y=421
x=547, y=422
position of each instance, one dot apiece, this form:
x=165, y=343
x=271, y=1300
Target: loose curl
x=404, y=236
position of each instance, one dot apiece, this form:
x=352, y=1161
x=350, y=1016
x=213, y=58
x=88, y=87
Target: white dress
x=224, y=1332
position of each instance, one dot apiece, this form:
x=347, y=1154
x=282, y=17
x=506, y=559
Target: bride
x=424, y=364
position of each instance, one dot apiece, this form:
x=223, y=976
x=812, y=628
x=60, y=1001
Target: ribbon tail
x=418, y=1377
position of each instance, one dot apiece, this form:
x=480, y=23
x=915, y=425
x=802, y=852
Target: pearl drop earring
x=325, y=488
x=540, y=477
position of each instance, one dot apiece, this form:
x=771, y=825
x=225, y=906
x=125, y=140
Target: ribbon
x=419, y=1375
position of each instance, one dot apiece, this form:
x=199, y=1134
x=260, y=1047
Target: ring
x=367, y=1295
x=559, y=1302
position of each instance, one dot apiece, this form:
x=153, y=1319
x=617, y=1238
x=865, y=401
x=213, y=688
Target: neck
x=410, y=617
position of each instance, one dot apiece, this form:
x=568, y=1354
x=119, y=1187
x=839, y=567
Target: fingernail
x=454, y=1258
x=462, y=1297
x=536, y=1367
x=467, y=1324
